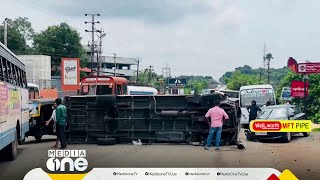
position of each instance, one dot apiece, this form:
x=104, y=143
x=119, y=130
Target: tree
x=313, y=100
x=59, y=41
x=239, y=79
x=20, y=31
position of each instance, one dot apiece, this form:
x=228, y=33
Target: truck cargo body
x=153, y=119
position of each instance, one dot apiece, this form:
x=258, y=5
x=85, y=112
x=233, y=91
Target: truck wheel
x=306, y=134
x=287, y=137
x=106, y=141
x=11, y=150
x=38, y=136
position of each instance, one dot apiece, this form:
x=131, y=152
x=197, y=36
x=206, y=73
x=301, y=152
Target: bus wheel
x=11, y=150
x=38, y=136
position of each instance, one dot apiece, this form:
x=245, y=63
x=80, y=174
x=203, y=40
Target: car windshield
x=273, y=113
x=261, y=96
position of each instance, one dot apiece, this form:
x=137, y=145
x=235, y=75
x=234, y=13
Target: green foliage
x=239, y=79
x=313, y=101
x=60, y=41
x=19, y=32
x=275, y=74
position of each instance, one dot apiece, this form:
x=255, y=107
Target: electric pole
x=115, y=64
x=150, y=69
x=262, y=71
x=5, y=35
x=99, y=52
x=138, y=64
x=93, y=30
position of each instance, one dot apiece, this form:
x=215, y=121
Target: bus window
x=92, y=90
x=118, y=89
x=104, y=89
x=125, y=88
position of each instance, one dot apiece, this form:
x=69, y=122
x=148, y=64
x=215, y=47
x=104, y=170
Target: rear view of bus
x=14, y=110
x=259, y=93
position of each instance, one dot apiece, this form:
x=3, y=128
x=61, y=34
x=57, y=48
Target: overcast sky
x=194, y=37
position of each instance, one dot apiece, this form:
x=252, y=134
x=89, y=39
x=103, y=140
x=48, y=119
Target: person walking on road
x=238, y=109
x=253, y=111
x=61, y=117
x=216, y=115
x=53, y=118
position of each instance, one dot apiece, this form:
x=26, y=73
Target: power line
x=93, y=30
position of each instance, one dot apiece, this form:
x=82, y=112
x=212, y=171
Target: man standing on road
x=61, y=117
x=216, y=115
x=253, y=111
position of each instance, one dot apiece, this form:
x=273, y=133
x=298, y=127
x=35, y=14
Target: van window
x=125, y=89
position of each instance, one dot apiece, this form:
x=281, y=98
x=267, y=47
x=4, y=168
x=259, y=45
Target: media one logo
x=60, y=159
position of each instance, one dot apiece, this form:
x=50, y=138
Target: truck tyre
x=106, y=141
x=38, y=136
x=306, y=134
x=11, y=150
x=287, y=137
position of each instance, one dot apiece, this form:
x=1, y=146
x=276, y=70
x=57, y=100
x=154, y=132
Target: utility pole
x=264, y=62
x=115, y=64
x=138, y=64
x=5, y=35
x=99, y=52
x=150, y=69
x=93, y=30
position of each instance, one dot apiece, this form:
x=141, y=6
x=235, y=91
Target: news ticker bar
x=281, y=126
x=167, y=174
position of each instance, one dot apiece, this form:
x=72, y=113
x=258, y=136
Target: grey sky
x=195, y=37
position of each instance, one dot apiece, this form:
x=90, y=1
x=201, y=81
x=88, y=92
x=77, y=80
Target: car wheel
x=306, y=134
x=287, y=137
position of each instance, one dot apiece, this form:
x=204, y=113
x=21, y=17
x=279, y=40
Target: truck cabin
x=103, y=85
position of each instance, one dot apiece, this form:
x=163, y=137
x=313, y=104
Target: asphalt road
x=301, y=156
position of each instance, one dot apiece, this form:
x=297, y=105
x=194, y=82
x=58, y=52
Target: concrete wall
x=38, y=69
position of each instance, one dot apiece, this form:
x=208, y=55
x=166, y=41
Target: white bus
x=14, y=111
x=141, y=90
x=34, y=92
x=259, y=93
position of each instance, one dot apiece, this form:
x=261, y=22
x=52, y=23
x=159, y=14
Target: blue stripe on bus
x=8, y=136
x=140, y=92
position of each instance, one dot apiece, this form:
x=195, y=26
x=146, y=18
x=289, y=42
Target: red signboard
x=297, y=89
x=308, y=68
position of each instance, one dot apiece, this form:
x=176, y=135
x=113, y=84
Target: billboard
x=309, y=68
x=297, y=89
x=70, y=74
x=174, y=82
x=286, y=94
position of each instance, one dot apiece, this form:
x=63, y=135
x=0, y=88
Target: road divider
x=280, y=126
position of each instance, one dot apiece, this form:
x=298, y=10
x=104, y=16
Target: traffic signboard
x=297, y=89
x=308, y=68
x=286, y=94
x=174, y=82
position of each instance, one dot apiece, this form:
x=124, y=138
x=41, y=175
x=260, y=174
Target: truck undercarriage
x=153, y=119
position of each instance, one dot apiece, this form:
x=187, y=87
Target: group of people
x=59, y=117
x=216, y=115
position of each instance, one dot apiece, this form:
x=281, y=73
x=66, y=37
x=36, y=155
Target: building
x=38, y=69
x=121, y=66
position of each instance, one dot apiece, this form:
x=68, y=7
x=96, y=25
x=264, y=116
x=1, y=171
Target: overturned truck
x=111, y=119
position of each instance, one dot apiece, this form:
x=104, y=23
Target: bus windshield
x=231, y=94
x=261, y=96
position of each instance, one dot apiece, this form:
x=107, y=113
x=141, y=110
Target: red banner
x=70, y=74
x=297, y=89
